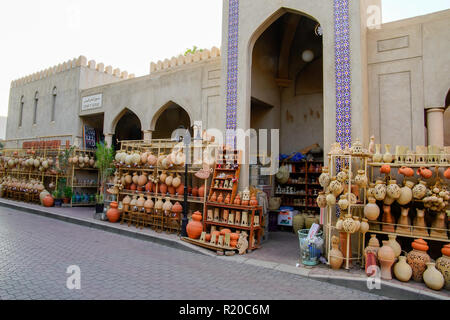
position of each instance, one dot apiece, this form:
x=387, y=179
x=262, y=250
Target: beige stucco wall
x=409, y=66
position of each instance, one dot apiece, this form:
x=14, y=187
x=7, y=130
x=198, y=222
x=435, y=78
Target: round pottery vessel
x=336, y=256
x=443, y=265
x=386, y=257
x=201, y=191
x=406, y=193
x=420, y=190
x=48, y=201
x=364, y=226
x=433, y=278
x=371, y=210
x=402, y=270
x=393, y=190
x=418, y=259
x=395, y=245
x=194, y=228
x=380, y=190
x=113, y=214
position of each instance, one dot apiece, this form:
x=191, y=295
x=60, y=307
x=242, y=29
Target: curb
x=389, y=290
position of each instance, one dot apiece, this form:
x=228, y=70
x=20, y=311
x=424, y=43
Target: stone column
x=147, y=135
x=108, y=139
x=435, y=125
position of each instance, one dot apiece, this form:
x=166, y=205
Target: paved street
x=35, y=253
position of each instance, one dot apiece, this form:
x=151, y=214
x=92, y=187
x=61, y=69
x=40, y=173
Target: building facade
x=320, y=71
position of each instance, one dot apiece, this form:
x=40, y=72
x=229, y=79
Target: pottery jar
x=433, y=278
x=371, y=191
x=342, y=176
x=324, y=178
x=388, y=220
x=48, y=201
x=447, y=174
x=194, y=228
x=336, y=256
x=331, y=200
x=253, y=201
x=364, y=226
x=358, y=223
x=404, y=222
x=133, y=204
x=336, y=187
x=140, y=202
x=194, y=191
x=386, y=169
x=151, y=160
x=371, y=210
x=321, y=200
x=402, y=270
x=177, y=208
x=339, y=223
x=162, y=188
x=443, y=265
x=361, y=179
x=162, y=177
x=388, y=157
x=180, y=189
x=373, y=245
x=395, y=245
x=349, y=225
x=418, y=259
x=377, y=157
x=171, y=190
x=420, y=190
x=407, y=172
x=393, y=190
x=176, y=181
x=425, y=173
x=167, y=206
x=343, y=202
x=380, y=190
x=135, y=178
x=113, y=213
x=142, y=180
x=201, y=191
x=128, y=179
x=169, y=180
x=386, y=257
x=406, y=193
x=148, y=205
x=126, y=203
x=159, y=204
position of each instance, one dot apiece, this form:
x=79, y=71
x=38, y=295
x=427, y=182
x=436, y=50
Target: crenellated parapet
x=81, y=61
x=182, y=60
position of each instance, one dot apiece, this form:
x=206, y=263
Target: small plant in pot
x=105, y=164
x=57, y=196
x=68, y=193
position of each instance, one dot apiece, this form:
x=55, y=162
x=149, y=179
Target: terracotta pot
x=142, y=180
x=135, y=178
x=336, y=256
x=386, y=257
x=126, y=203
x=167, y=206
x=113, y=214
x=149, y=205
x=140, y=202
x=169, y=180
x=224, y=231
x=151, y=160
x=388, y=157
x=214, y=197
x=220, y=198
x=447, y=174
x=386, y=169
x=389, y=219
x=237, y=200
x=163, y=177
x=418, y=259
x=407, y=172
x=253, y=201
x=343, y=245
x=149, y=186
x=331, y=200
x=133, y=187
x=321, y=200
x=371, y=263
x=433, y=278
x=180, y=189
x=395, y=245
x=404, y=222
x=364, y=226
x=233, y=243
x=177, y=208
x=159, y=204
x=201, y=191
x=402, y=270
x=195, y=227
x=194, y=192
x=443, y=265
x=171, y=190
x=228, y=199
x=176, y=182
x=406, y=193
x=424, y=173
x=48, y=201
x=162, y=188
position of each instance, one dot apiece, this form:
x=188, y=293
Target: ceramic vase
x=364, y=226
x=393, y=190
x=331, y=200
x=402, y=270
x=377, y=157
x=433, y=278
x=395, y=245
x=343, y=245
x=380, y=190
x=406, y=193
x=420, y=190
x=387, y=157
x=336, y=256
x=324, y=178
x=371, y=210
x=361, y=179
x=418, y=259
x=321, y=200
x=113, y=214
x=386, y=257
x=443, y=265
x=194, y=228
x=349, y=225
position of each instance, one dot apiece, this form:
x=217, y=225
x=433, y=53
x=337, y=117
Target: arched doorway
x=287, y=82
x=168, y=119
x=128, y=127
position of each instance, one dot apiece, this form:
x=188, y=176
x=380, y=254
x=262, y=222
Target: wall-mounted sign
x=91, y=102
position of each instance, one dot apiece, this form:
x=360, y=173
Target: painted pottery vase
x=404, y=222
x=402, y=270
x=349, y=225
x=388, y=219
x=253, y=201
x=220, y=198
x=149, y=205
x=228, y=199
x=377, y=157
x=336, y=187
x=140, y=202
x=321, y=200
x=133, y=206
x=443, y=265
x=237, y=200
x=176, y=182
x=343, y=203
x=324, y=178
x=380, y=190
x=358, y=223
x=163, y=177
x=169, y=180
x=395, y=245
x=371, y=191
x=386, y=257
x=433, y=278
x=214, y=197
x=419, y=226
x=167, y=206
x=361, y=179
x=393, y=190
x=371, y=210
x=388, y=157
x=406, y=193
x=418, y=259
x=336, y=256
x=420, y=190
x=331, y=200
x=342, y=176
x=385, y=168
x=194, y=228
x=364, y=227
x=298, y=223
x=113, y=214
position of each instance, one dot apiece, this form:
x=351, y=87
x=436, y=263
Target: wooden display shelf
x=409, y=235
x=160, y=195
x=222, y=189
x=234, y=226
x=416, y=165
x=208, y=245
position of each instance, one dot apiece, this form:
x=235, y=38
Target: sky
x=36, y=35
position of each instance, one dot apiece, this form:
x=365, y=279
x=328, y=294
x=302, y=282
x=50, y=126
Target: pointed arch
x=126, y=126
x=168, y=118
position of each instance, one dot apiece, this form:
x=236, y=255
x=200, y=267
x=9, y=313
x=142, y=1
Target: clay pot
x=443, y=265
x=402, y=270
x=253, y=201
x=201, y=191
x=159, y=204
x=237, y=200
x=377, y=157
x=128, y=179
x=407, y=172
x=162, y=188
x=171, y=190
x=113, y=214
x=343, y=203
x=404, y=222
x=208, y=237
x=418, y=259
x=194, y=192
x=406, y=193
x=42, y=195
x=133, y=206
x=420, y=190
x=393, y=190
x=433, y=278
x=228, y=198
x=126, y=203
x=220, y=198
x=342, y=176
x=447, y=174
x=386, y=169
x=336, y=256
x=180, y=189
x=135, y=178
x=163, y=177
x=149, y=186
x=386, y=257
x=194, y=228
x=324, y=178
x=48, y=201
x=177, y=208
x=149, y=205
x=389, y=219
x=214, y=197
x=373, y=246
x=133, y=187
x=371, y=210
x=331, y=200
x=349, y=225
x=364, y=226
x=424, y=173
x=167, y=206
x=140, y=202
x=176, y=182
x=380, y=190
x=321, y=200
x=142, y=180
x=388, y=157
x=336, y=187
x=395, y=245
x=151, y=160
